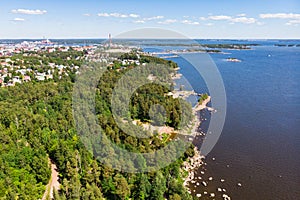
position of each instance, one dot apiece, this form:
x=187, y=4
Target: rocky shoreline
x=197, y=160
x=191, y=165
x=194, y=163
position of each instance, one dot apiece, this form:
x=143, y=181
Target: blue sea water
x=260, y=143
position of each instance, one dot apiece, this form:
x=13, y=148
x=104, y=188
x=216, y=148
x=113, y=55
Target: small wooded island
x=233, y=60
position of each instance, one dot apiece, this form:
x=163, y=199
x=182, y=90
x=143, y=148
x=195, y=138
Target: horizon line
x=105, y=38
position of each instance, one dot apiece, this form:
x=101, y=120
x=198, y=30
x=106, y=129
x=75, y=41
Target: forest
x=37, y=125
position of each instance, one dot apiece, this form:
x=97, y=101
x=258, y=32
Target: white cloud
x=103, y=14
x=294, y=19
x=29, y=12
x=244, y=20
x=209, y=24
x=134, y=15
x=232, y=20
x=87, y=14
x=139, y=22
x=168, y=21
x=189, y=22
x=18, y=20
x=153, y=18
x=219, y=17
x=293, y=22
x=118, y=15
x=144, y=20
x=240, y=18
x=280, y=16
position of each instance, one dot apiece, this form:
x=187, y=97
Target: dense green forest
x=37, y=124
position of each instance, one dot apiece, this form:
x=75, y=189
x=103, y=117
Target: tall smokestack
x=110, y=40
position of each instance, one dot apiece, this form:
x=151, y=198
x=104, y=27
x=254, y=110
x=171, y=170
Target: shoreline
x=191, y=166
x=197, y=160
x=193, y=163
x=203, y=105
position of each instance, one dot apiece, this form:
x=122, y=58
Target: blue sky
x=263, y=19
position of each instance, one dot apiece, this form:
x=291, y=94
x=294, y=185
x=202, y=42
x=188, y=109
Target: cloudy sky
x=194, y=18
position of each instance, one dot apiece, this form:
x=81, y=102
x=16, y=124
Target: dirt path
x=53, y=183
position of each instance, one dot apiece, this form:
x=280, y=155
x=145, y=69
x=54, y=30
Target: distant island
x=287, y=45
x=211, y=46
x=233, y=60
x=197, y=48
